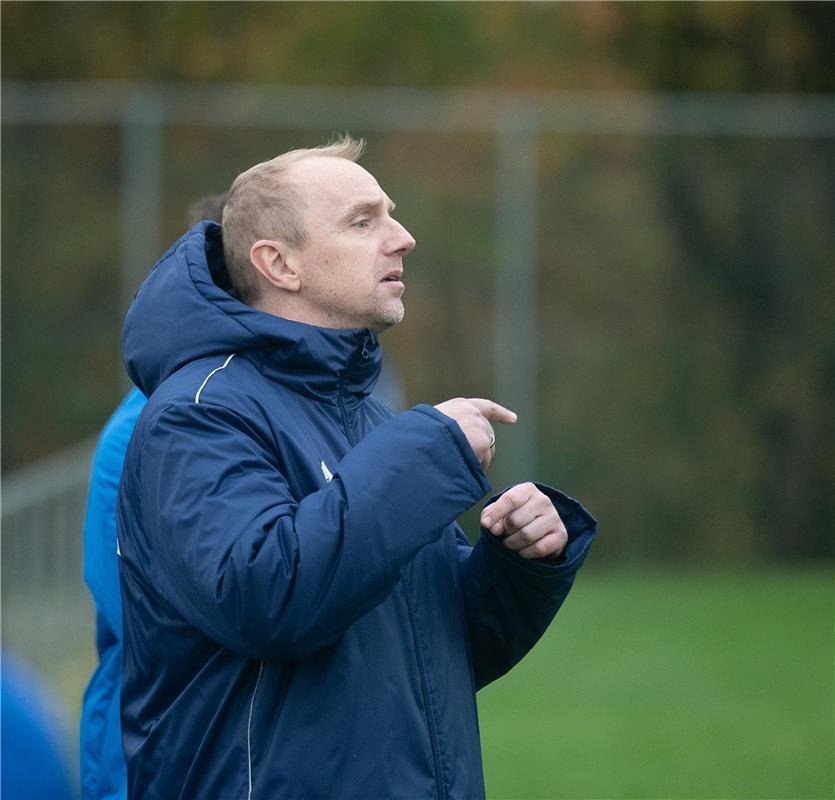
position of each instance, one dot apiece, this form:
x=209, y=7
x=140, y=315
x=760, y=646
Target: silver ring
x=492, y=440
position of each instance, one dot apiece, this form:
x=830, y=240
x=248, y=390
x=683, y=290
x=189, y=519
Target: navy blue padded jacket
x=303, y=618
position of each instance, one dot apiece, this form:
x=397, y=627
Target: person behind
x=103, y=774
x=302, y=615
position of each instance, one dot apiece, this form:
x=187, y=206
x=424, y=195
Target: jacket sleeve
x=274, y=577
x=510, y=600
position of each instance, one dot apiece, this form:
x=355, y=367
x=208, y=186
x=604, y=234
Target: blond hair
x=262, y=204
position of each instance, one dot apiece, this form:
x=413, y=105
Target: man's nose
x=401, y=241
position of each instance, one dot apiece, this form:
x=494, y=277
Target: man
x=302, y=616
x=103, y=775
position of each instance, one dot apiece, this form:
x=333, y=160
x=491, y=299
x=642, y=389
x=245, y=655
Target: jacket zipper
x=340, y=394
x=440, y=789
x=343, y=413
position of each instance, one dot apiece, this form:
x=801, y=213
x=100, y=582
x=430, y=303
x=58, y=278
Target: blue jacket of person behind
x=302, y=615
x=103, y=775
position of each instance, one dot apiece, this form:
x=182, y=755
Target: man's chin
x=384, y=321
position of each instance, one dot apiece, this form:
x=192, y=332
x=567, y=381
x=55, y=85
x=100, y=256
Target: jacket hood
x=185, y=310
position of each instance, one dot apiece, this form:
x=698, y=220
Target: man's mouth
x=395, y=276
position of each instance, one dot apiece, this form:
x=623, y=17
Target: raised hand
x=474, y=416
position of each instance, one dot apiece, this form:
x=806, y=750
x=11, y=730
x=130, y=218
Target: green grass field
x=665, y=684
x=651, y=684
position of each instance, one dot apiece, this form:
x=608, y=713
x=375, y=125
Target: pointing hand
x=474, y=416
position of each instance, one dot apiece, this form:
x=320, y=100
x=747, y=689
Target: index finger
x=494, y=514
x=493, y=411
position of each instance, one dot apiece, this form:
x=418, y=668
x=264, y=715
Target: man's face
x=351, y=265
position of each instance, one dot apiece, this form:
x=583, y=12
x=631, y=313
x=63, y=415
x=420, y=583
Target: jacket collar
x=322, y=362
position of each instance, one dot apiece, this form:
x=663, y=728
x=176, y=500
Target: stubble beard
x=385, y=318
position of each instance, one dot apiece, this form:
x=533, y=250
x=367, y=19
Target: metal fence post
x=515, y=336
x=141, y=191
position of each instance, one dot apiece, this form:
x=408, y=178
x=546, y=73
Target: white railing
x=48, y=618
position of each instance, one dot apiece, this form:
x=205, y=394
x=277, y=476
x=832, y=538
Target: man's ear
x=274, y=262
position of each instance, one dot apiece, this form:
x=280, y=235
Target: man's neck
x=289, y=308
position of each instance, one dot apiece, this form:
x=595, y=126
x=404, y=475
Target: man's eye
x=361, y=223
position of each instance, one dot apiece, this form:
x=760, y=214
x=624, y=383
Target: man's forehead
x=332, y=179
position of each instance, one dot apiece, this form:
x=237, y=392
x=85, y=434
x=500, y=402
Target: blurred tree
x=757, y=247
x=731, y=46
